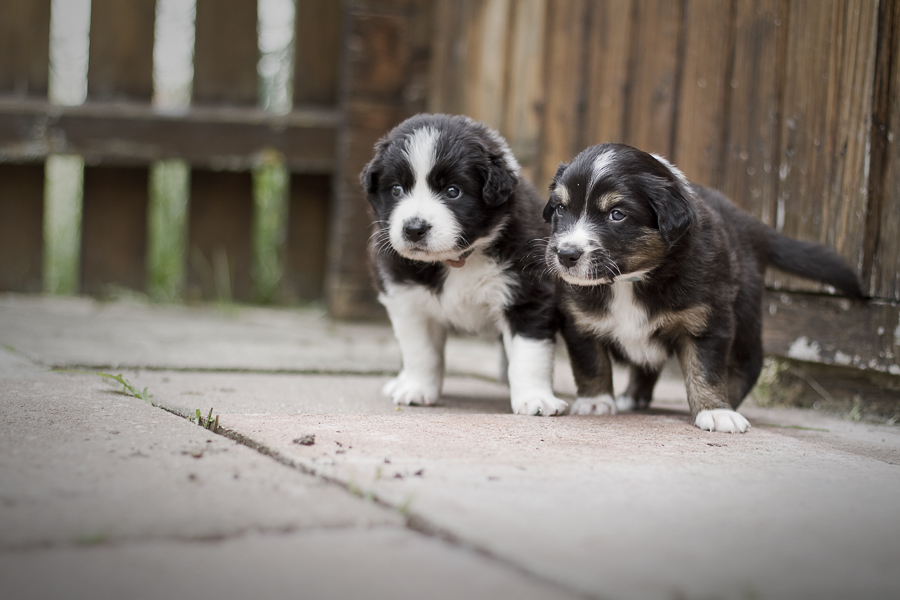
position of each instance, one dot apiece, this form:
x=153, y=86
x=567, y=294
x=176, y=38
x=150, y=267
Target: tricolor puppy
x=453, y=251
x=650, y=266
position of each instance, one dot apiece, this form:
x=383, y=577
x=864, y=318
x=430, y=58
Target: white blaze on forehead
x=602, y=166
x=420, y=150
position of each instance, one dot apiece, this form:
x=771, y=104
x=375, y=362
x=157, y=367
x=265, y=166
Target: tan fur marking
x=606, y=201
x=701, y=394
x=690, y=320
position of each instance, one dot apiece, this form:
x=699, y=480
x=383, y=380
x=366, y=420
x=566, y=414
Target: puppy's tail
x=814, y=261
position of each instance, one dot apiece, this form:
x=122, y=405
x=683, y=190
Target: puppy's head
x=615, y=213
x=439, y=186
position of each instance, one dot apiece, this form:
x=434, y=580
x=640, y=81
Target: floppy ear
x=674, y=213
x=499, y=181
x=548, y=209
x=369, y=176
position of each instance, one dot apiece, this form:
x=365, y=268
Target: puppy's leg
x=422, y=341
x=704, y=364
x=531, y=376
x=593, y=374
x=641, y=381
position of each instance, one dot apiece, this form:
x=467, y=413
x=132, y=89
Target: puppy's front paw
x=721, y=419
x=625, y=403
x=542, y=406
x=404, y=389
x=598, y=405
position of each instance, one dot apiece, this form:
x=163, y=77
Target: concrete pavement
x=103, y=495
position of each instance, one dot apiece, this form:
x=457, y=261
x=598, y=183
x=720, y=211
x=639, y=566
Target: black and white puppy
x=650, y=266
x=453, y=251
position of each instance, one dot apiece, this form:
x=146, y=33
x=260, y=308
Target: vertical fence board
x=653, y=64
x=883, y=237
x=24, y=47
x=387, y=70
x=114, y=229
x=564, y=73
x=307, y=229
x=317, y=49
x=221, y=204
x=120, y=66
x=524, y=96
x=21, y=227
x=219, y=228
x=704, y=90
x=750, y=171
x=24, y=66
x=489, y=41
x=114, y=212
x=226, y=52
x=449, y=53
x=608, y=75
x=828, y=95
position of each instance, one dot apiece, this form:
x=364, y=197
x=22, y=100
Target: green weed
x=126, y=386
x=208, y=423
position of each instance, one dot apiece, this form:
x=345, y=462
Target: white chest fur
x=627, y=323
x=472, y=299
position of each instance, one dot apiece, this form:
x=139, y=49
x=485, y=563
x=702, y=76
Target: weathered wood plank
x=214, y=137
x=656, y=49
x=387, y=62
x=750, y=170
x=120, y=65
x=114, y=204
x=882, y=257
x=25, y=47
x=830, y=330
x=704, y=90
x=608, y=75
x=828, y=98
x=488, y=42
x=524, y=98
x=307, y=237
x=564, y=72
x=114, y=229
x=226, y=53
x=21, y=227
x=219, y=246
x=317, y=50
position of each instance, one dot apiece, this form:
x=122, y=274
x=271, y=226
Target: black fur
x=700, y=263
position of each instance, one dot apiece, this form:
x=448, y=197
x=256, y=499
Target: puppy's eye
x=397, y=191
x=452, y=192
x=616, y=215
x=560, y=209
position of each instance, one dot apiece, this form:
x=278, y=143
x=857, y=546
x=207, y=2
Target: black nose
x=415, y=230
x=568, y=256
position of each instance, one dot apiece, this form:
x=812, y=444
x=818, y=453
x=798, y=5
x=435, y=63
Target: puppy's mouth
x=456, y=259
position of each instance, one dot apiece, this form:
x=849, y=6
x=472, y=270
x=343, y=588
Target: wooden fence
x=789, y=106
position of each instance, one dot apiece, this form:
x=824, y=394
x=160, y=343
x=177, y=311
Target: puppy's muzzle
x=568, y=256
x=415, y=230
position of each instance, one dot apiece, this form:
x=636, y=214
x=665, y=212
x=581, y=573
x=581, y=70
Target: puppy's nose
x=568, y=256
x=415, y=230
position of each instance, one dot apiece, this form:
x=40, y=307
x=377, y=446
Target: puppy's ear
x=674, y=213
x=369, y=176
x=548, y=209
x=499, y=181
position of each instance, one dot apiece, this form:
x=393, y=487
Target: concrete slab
x=378, y=563
x=81, y=462
x=632, y=506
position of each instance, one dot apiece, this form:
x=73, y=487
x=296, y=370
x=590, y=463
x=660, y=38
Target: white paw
x=542, y=406
x=625, y=403
x=721, y=419
x=404, y=389
x=598, y=405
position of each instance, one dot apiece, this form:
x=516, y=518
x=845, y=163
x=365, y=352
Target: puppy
x=453, y=251
x=649, y=266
